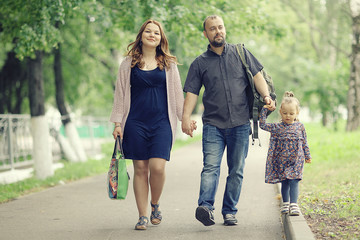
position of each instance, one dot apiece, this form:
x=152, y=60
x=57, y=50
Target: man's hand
x=188, y=126
x=269, y=103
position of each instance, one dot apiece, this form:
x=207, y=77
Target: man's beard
x=214, y=43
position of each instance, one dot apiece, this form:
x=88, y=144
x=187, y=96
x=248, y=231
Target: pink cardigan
x=175, y=97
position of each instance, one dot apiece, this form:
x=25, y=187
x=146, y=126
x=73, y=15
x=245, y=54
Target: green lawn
x=330, y=192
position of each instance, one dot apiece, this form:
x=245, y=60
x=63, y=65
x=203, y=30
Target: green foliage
x=305, y=47
x=31, y=25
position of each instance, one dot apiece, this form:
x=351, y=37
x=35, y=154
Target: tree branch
x=312, y=26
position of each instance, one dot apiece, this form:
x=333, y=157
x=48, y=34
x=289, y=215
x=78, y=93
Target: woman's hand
x=188, y=126
x=117, y=132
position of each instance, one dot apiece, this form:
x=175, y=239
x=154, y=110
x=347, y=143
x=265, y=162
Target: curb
x=295, y=227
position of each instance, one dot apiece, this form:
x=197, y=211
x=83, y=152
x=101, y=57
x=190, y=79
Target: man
x=226, y=117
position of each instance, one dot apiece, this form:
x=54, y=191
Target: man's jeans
x=214, y=142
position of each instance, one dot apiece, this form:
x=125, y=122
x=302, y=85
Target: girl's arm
x=270, y=127
x=306, y=146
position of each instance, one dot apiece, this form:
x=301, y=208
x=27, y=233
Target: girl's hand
x=270, y=103
x=268, y=107
x=308, y=160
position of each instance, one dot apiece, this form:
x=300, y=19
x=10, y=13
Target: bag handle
x=118, y=147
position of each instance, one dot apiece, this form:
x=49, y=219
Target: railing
x=16, y=140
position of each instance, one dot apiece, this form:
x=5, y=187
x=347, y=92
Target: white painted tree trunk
x=69, y=152
x=75, y=141
x=42, y=155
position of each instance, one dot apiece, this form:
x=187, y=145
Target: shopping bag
x=118, y=176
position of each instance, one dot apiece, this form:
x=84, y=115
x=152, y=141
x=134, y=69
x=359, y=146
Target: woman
x=145, y=114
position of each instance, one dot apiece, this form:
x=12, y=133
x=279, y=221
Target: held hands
x=188, y=126
x=270, y=104
x=308, y=160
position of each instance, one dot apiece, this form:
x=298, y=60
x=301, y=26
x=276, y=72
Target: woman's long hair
x=163, y=56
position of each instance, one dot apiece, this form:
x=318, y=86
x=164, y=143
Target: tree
x=322, y=47
x=39, y=125
x=31, y=25
x=353, y=105
x=73, y=151
x=12, y=84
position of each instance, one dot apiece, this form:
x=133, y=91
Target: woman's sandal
x=155, y=217
x=142, y=223
x=285, y=208
x=294, y=210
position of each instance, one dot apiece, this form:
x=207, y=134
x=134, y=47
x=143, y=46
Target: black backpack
x=256, y=102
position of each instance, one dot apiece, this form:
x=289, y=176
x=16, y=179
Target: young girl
x=288, y=150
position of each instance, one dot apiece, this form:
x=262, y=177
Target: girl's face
x=288, y=113
x=151, y=36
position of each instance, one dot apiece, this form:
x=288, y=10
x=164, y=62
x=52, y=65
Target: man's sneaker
x=204, y=215
x=229, y=219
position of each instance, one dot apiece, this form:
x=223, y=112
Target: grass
x=330, y=193
x=70, y=172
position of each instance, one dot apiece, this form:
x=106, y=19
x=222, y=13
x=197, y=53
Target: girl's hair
x=163, y=56
x=289, y=97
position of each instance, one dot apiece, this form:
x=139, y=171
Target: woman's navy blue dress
x=147, y=132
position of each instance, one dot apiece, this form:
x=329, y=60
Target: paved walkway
x=81, y=210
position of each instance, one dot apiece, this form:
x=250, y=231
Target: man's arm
x=262, y=88
x=187, y=125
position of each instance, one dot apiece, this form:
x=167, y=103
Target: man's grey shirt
x=225, y=81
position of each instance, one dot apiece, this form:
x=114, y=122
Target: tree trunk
x=353, y=100
x=36, y=86
x=12, y=81
x=39, y=125
x=77, y=152
x=59, y=84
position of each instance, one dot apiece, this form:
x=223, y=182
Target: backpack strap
x=240, y=50
x=255, y=110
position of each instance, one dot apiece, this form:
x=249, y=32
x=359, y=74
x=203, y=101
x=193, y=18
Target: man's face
x=215, y=32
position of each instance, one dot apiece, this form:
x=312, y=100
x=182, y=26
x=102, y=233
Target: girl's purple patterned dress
x=288, y=150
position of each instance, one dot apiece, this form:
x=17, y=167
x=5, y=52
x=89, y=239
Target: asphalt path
x=82, y=210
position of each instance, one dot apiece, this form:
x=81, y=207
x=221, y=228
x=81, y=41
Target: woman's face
x=151, y=36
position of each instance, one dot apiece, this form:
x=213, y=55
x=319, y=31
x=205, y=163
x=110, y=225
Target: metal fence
x=16, y=140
